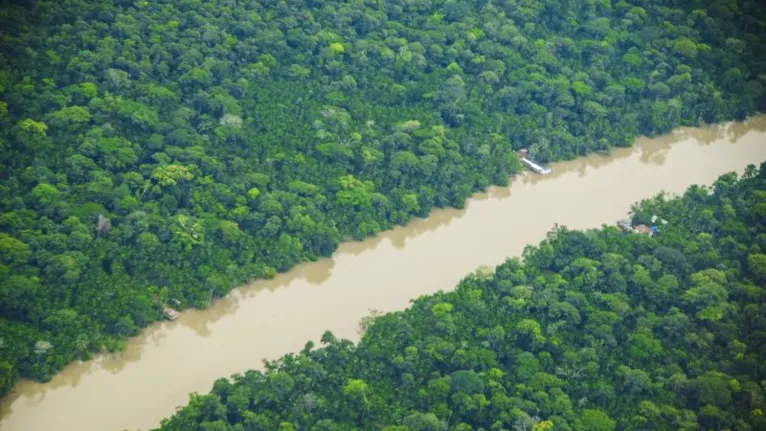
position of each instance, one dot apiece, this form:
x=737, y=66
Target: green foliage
x=13, y=251
x=596, y=420
x=337, y=48
x=525, y=348
x=226, y=141
x=33, y=126
x=170, y=175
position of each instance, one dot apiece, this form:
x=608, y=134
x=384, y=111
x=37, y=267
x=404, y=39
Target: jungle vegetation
x=162, y=152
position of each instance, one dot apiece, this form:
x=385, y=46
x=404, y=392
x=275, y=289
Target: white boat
x=535, y=167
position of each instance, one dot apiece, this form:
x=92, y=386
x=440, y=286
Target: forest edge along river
x=136, y=388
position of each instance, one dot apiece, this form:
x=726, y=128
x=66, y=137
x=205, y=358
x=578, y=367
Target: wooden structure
x=641, y=228
x=170, y=313
x=644, y=229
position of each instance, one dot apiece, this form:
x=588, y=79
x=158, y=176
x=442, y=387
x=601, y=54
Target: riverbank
x=270, y=318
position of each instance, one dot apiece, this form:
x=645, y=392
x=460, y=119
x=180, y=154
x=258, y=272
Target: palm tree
x=81, y=345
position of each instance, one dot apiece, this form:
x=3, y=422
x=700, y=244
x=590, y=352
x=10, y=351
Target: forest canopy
x=594, y=330
x=160, y=153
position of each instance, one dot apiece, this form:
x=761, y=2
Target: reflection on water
x=654, y=150
x=139, y=386
x=398, y=236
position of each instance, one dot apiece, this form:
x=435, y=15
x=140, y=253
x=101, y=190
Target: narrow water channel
x=136, y=388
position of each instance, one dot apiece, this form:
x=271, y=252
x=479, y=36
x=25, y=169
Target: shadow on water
x=35, y=392
x=399, y=235
x=654, y=150
x=318, y=272
x=579, y=166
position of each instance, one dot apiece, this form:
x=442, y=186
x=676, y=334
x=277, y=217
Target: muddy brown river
x=136, y=388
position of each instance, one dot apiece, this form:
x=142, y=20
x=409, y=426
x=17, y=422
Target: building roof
x=170, y=313
x=642, y=228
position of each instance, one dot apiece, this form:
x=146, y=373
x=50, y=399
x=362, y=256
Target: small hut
x=170, y=313
x=644, y=229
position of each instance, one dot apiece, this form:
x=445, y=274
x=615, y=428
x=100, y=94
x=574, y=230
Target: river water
x=136, y=388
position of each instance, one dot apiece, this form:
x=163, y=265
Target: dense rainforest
x=593, y=330
x=158, y=153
